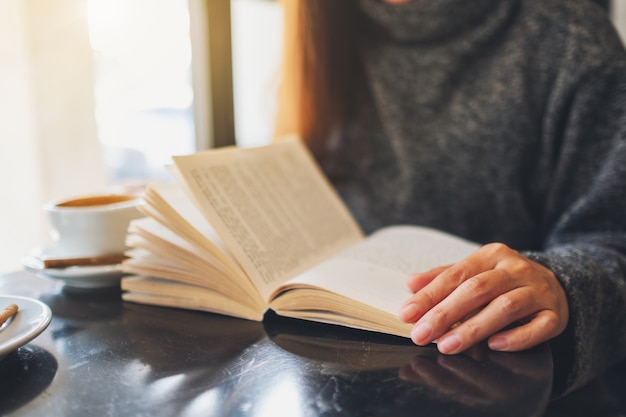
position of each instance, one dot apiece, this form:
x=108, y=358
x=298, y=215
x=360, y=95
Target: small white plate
x=31, y=319
x=86, y=277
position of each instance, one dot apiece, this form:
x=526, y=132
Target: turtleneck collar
x=428, y=20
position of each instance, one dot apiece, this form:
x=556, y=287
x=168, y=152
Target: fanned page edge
x=205, y=240
x=187, y=247
x=167, y=293
x=289, y=151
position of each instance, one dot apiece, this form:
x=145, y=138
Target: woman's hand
x=458, y=306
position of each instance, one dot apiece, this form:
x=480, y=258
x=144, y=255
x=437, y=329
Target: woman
x=503, y=121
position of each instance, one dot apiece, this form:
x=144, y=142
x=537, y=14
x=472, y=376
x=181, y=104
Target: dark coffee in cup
x=99, y=200
x=92, y=225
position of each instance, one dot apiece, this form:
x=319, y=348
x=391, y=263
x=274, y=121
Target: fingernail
x=421, y=333
x=408, y=312
x=498, y=343
x=449, y=344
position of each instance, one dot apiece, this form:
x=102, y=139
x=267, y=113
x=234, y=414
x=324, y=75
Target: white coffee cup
x=92, y=225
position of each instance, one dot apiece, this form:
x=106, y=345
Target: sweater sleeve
x=585, y=223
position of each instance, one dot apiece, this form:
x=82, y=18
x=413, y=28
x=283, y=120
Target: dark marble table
x=103, y=357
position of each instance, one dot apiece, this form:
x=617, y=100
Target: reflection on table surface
x=100, y=356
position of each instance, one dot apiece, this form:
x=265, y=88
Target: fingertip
x=412, y=282
x=421, y=334
x=419, y=280
x=498, y=343
x=408, y=313
x=449, y=345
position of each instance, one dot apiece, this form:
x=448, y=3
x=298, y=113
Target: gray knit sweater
x=502, y=120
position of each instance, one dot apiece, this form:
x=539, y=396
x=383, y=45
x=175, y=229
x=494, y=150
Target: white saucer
x=31, y=319
x=86, y=277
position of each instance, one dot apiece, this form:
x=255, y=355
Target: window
x=256, y=38
x=99, y=92
x=618, y=14
x=143, y=84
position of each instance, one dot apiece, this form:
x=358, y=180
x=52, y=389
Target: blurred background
x=97, y=95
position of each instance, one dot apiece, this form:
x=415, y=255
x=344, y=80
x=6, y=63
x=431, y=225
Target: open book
x=244, y=230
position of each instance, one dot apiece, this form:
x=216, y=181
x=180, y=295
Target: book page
x=170, y=205
x=156, y=291
x=409, y=249
x=272, y=207
x=374, y=272
x=161, y=253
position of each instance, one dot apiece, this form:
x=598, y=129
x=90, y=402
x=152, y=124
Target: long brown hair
x=320, y=71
